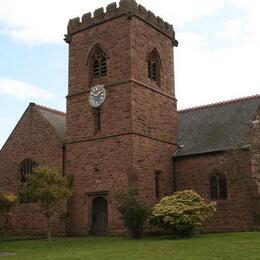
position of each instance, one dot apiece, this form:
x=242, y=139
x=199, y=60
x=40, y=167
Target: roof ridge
x=48, y=109
x=231, y=101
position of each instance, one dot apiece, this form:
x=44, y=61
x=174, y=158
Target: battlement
x=126, y=7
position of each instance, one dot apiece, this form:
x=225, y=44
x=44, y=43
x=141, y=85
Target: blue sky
x=218, y=57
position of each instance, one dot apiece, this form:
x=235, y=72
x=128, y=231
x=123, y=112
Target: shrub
x=134, y=212
x=7, y=205
x=182, y=212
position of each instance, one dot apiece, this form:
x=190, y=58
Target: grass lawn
x=214, y=246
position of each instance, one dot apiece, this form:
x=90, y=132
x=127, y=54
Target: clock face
x=97, y=95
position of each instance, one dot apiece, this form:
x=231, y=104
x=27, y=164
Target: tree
x=134, y=212
x=7, y=206
x=235, y=165
x=46, y=187
x=236, y=161
x=182, y=212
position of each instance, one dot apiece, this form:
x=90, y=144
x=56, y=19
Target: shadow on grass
x=20, y=238
x=7, y=254
x=97, y=238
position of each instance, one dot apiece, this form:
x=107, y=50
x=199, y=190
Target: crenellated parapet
x=126, y=7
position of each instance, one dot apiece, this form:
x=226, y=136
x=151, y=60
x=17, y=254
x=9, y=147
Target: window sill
x=221, y=202
x=154, y=84
x=100, y=80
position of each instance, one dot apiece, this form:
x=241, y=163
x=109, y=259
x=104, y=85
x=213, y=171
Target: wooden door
x=99, y=216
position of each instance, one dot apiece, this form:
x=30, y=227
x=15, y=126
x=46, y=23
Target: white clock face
x=97, y=95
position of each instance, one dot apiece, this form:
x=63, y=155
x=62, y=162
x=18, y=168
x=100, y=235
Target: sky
x=218, y=57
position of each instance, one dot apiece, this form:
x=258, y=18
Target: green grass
x=201, y=247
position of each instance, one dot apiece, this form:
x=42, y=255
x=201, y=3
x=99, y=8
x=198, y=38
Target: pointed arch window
x=99, y=63
x=157, y=178
x=26, y=168
x=154, y=66
x=218, y=187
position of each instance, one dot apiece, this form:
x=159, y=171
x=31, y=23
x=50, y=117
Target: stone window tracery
x=218, y=187
x=154, y=66
x=26, y=168
x=99, y=63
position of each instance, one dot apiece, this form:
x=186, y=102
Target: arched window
x=98, y=63
x=26, y=168
x=157, y=184
x=154, y=66
x=218, y=187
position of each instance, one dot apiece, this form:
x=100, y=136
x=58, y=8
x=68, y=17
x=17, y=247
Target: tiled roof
x=56, y=118
x=216, y=127
x=203, y=129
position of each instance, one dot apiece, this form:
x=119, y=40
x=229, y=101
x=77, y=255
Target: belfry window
x=154, y=66
x=218, y=187
x=99, y=63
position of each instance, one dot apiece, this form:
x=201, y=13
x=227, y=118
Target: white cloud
x=232, y=29
x=45, y=21
x=35, y=22
x=204, y=76
x=179, y=12
x=251, y=8
x=191, y=40
x=22, y=90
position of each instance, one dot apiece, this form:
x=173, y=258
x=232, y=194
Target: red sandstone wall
x=114, y=38
x=150, y=156
x=143, y=39
x=154, y=114
x=233, y=214
x=115, y=115
x=138, y=132
x=98, y=167
x=32, y=138
x=255, y=160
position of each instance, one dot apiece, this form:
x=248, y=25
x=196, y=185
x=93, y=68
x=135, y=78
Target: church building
x=122, y=129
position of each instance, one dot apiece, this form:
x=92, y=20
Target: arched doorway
x=99, y=216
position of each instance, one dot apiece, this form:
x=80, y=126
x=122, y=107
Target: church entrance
x=99, y=216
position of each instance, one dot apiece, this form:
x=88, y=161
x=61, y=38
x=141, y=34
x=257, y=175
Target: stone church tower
x=121, y=112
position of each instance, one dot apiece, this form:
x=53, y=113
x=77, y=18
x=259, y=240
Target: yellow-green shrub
x=7, y=202
x=7, y=205
x=182, y=212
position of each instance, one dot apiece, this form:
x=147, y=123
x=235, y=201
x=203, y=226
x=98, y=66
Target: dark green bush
x=134, y=212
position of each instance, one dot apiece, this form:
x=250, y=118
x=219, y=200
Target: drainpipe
x=66, y=219
x=174, y=175
x=174, y=167
x=63, y=158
